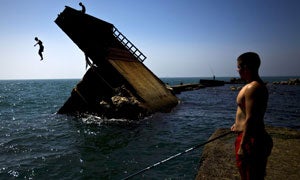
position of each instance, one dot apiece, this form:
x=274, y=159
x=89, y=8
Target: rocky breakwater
x=288, y=82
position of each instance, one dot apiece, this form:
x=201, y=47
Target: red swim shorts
x=255, y=155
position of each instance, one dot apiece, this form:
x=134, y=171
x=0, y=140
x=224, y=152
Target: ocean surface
x=37, y=143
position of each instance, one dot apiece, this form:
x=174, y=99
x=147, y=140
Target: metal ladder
x=134, y=50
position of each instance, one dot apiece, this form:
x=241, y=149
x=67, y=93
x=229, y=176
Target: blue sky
x=181, y=38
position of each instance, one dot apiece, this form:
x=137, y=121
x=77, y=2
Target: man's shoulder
x=256, y=87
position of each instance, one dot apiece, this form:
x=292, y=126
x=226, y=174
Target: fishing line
x=176, y=155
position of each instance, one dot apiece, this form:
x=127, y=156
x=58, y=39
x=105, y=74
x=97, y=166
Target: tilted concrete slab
x=117, y=70
x=156, y=96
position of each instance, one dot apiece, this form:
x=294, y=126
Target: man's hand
x=240, y=151
x=233, y=127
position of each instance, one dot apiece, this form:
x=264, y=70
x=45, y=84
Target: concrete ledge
x=218, y=159
x=177, y=89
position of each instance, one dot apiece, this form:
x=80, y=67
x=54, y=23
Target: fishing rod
x=176, y=155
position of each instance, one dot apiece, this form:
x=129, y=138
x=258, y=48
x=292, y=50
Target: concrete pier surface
x=218, y=158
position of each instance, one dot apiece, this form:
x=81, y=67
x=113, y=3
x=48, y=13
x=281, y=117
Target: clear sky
x=181, y=38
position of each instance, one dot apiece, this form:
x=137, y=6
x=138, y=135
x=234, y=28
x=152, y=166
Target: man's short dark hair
x=250, y=60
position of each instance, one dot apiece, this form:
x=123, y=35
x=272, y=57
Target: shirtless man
x=253, y=145
x=40, y=43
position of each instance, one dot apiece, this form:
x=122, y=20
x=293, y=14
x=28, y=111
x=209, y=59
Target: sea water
x=37, y=143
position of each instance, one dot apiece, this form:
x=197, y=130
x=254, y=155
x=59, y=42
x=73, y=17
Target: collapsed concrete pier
x=118, y=84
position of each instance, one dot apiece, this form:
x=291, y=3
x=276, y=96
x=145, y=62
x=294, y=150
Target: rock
x=288, y=82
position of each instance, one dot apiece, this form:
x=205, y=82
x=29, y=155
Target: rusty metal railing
x=130, y=46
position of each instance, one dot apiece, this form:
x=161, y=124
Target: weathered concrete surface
x=218, y=159
x=147, y=86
